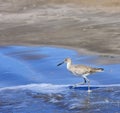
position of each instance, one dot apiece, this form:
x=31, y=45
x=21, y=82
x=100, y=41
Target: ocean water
x=31, y=82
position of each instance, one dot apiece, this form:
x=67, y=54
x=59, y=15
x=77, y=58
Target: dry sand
x=89, y=26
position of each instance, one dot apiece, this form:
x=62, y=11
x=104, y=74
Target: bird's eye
x=65, y=59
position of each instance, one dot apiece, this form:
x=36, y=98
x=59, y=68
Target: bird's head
x=66, y=60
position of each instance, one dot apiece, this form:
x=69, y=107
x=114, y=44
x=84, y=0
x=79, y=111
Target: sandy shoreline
x=67, y=25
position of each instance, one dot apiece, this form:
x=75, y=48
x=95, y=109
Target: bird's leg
x=81, y=83
x=88, y=81
x=85, y=81
x=88, y=85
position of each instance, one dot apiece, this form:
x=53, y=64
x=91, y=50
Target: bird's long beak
x=60, y=63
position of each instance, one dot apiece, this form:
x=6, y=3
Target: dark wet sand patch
x=61, y=23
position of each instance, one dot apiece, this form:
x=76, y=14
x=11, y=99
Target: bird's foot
x=89, y=91
x=76, y=85
x=71, y=87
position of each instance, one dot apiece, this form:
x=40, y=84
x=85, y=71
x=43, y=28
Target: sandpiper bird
x=80, y=70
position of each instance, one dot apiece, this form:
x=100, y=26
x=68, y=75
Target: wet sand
x=86, y=26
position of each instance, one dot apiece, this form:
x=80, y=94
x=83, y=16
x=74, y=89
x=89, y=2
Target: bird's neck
x=68, y=65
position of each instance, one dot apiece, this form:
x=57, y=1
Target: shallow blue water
x=32, y=83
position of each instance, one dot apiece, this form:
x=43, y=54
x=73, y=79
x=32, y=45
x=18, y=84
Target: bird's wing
x=81, y=69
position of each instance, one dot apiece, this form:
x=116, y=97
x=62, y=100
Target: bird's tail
x=98, y=69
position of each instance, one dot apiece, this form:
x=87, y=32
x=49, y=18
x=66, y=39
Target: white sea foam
x=42, y=88
x=51, y=88
x=59, y=95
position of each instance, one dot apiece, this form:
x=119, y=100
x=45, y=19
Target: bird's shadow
x=83, y=87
